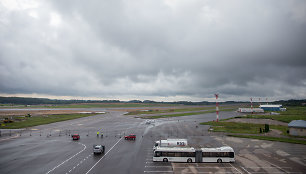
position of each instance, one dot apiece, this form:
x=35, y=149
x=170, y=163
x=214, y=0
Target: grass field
x=245, y=128
x=292, y=113
x=39, y=120
x=286, y=140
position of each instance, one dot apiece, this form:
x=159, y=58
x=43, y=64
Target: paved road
x=49, y=149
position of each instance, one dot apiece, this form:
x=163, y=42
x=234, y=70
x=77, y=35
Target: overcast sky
x=165, y=50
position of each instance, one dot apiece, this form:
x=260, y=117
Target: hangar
x=272, y=107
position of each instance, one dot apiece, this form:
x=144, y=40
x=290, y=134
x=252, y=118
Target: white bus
x=221, y=154
x=174, y=154
x=190, y=154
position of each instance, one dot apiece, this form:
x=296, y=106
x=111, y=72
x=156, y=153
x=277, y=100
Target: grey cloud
x=155, y=48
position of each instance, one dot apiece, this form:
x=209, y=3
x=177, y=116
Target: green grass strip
x=292, y=113
x=248, y=128
x=40, y=120
x=286, y=140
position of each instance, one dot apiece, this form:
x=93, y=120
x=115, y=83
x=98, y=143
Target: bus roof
x=176, y=149
x=172, y=139
x=218, y=149
x=176, y=139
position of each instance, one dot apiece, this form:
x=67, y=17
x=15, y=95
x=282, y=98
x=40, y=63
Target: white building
x=297, y=128
x=250, y=110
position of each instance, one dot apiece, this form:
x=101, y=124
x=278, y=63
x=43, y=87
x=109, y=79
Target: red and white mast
x=217, y=106
x=252, y=105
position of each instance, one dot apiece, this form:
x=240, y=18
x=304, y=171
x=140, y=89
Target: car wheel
x=189, y=160
x=219, y=161
x=165, y=160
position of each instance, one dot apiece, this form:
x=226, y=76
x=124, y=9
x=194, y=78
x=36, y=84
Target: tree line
x=41, y=101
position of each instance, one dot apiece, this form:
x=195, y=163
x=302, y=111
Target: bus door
x=198, y=157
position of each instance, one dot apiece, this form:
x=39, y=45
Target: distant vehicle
x=98, y=149
x=171, y=143
x=75, y=136
x=190, y=154
x=150, y=121
x=130, y=137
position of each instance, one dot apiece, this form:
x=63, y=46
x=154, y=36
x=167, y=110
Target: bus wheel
x=165, y=160
x=219, y=161
x=189, y=160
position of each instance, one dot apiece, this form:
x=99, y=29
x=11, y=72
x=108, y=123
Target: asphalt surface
x=49, y=149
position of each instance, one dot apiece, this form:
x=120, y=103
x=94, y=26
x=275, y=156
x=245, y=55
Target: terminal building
x=250, y=110
x=272, y=107
x=297, y=128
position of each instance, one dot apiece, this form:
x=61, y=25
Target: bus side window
x=225, y=154
x=231, y=155
x=205, y=154
x=171, y=154
x=178, y=154
x=157, y=154
x=190, y=154
x=164, y=154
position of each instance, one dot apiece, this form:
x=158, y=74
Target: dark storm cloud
x=154, y=48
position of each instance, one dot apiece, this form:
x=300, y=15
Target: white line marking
x=68, y=159
x=9, y=138
x=207, y=167
x=103, y=156
x=278, y=172
x=268, y=167
x=157, y=171
x=245, y=170
x=158, y=166
x=184, y=172
x=235, y=168
x=280, y=168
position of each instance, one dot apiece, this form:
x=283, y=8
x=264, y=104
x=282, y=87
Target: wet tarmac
x=50, y=149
